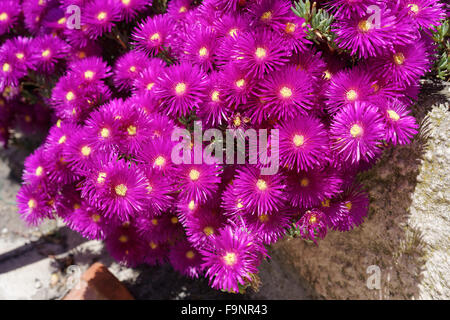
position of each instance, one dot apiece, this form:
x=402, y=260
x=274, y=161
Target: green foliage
x=441, y=36
x=318, y=21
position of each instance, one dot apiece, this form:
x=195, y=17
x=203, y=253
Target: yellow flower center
x=414, y=8
x=190, y=254
x=312, y=219
x=349, y=205
x=326, y=203
x=233, y=32
x=290, y=27
x=154, y=222
x=6, y=67
x=364, y=25
x=230, y=259
x=286, y=92
x=327, y=75
x=174, y=220
x=101, y=16
x=89, y=75
x=191, y=205
x=298, y=140
x=237, y=121
x=356, y=130
x=121, y=190
x=304, y=182
x=351, y=95
x=240, y=83
x=20, y=55
x=76, y=206
x=62, y=140
x=263, y=218
x=153, y=245
x=261, y=52
x=105, y=133
x=32, y=204
x=180, y=88
x=266, y=15
x=208, y=231
x=215, y=96
x=182, y=9
x=399, y=58
x=126, y=2
x=239, y=204
x=123, y=238
x=393, y=115
x=132, y=69
x=203, y=52
x=160, y=161
x=155, y=37
x=150, y=86
x=132, y=130
x=81, y=54
x=39, y=171
x=62, y=21
x=261, y=185
x=3, y=16
x=46, y=53
x=95, y=217
x=194, y=174
x=101, y=177
x=70, y=96
x=86, y=151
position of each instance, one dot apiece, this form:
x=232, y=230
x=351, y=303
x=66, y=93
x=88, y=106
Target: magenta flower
x=129, y=9
x=404, y=65
x=285, y=94
x=307, y=189
x=88, y=221
x=202, y=225
x=9, y=13
x=181, y=89
x=233, y=259
x=270, y=13
x=123, y=192
x=259, y=194
x=236, y=86
x=186, y=259
x=33, y=204
x=145, y=82
x=425, y=13
x=214, y=110
x=400, y=125
x=259, y=53
x=124, y=244
x=312, y=225
x=356, y=132
x=348, y=87
x=270, y=227
x=198, y=181
x=128, y=68
x=152, y=35
x=304, y=143
x=48, y=51
x=100, y=16
x=200, y=47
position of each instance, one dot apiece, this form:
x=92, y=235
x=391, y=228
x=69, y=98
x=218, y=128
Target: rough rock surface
x=407, y=231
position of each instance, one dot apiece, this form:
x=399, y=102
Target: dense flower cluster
x=106, y=169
